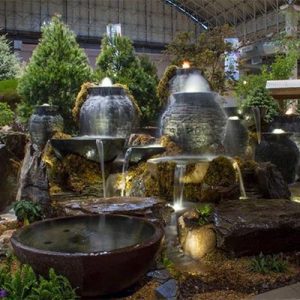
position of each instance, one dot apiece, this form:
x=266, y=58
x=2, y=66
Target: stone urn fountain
x=193, y=118
x=43, y=123
x=279, y=149
x=107, y=115
x=107, y=112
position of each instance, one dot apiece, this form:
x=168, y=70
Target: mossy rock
x=72, y=173
x=220, y=172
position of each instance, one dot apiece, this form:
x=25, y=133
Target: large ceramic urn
x=236, y=137
x=43, y=123
x=107, y=112
x=193, y=118
x=280, y=150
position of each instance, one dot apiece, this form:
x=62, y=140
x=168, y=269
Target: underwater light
x=278, y=131
x=186, y=65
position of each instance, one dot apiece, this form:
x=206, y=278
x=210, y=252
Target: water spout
x=106, y=82
x=178, y=186
x=125, y=170
x=257, y=118
x=100, y=149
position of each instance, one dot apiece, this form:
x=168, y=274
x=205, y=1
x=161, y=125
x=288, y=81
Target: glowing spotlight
x=186, y=65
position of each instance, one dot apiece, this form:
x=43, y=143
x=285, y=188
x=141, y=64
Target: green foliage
x=56, y=70
x=6, y=114
x=28, y=211
x=24, y=285
x=280, y=69
x=167, y=262
x=8, y=92
x=259, y=97
x=9, y=65
x=163, y=91
x=205, y=212
x=118, y=61
x=206, y=52
x=266, y=264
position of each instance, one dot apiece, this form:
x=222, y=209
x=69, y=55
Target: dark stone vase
x=107, y=112
x=195, y=121
x=236, y=138
x=280, y=150
x=43, y=123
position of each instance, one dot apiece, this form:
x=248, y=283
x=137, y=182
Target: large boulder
x=249, y=227
x=196, y=240
x=33, y=181
x=12, y=145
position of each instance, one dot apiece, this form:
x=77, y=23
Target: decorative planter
x=195, y=121
x=280, y=150
x=43, y=123
x=107, y=112
x=236, y=137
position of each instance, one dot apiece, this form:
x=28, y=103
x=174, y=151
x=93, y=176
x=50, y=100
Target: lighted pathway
x=290, y=292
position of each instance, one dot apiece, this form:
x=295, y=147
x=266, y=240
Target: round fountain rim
x=270, y=134
x=210, y=93
x=113, y=88
x=181, y=159
x=183, y=71
x=155, y=237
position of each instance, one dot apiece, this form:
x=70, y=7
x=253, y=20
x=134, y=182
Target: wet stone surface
x=152, y=208
x=252, y=226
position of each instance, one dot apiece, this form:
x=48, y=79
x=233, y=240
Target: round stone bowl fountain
x=100, y=254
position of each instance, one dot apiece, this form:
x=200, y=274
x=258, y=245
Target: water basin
x=86, y=146
x=99, y=254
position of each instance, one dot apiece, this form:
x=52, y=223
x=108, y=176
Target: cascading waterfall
x=125, y=170
x=179, y=173
x=100, y=149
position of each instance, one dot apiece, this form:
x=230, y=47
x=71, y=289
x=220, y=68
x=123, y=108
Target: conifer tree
x=9, y=65
x=56, y=70
x=118, y=61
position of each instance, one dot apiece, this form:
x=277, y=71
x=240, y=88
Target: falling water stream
x=235, y=165
x=125, y=170
x=257, y=116
x=178, y=186
x=100, y=149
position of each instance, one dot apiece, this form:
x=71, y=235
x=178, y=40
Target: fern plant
x=267, y=263
x=28, y=211
x=24, y=285
x=205, y=213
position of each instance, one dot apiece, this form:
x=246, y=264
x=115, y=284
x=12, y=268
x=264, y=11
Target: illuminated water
x=100, y=149
x=85, y=235
x=125, y=170
x=178, y=191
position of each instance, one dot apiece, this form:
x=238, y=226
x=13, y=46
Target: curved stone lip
x=105, y=90
x=46, y=109
x=183, y=71
x=153, y=146
x=207, y=93
x=95, y=137
x=184, y=159
x=157, y=235
x=272, y=134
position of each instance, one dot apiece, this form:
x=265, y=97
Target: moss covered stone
x=220, y=172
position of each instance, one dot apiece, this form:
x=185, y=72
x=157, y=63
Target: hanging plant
x=162, y=91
